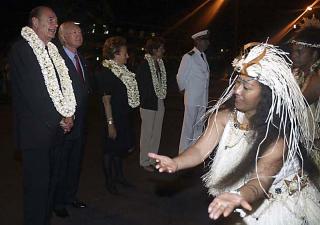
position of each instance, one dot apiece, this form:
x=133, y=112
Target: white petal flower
x=159, y=85
x=64, y=99
x=128, y=79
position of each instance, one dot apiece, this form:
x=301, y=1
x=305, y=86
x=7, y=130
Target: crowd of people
x=261, y=137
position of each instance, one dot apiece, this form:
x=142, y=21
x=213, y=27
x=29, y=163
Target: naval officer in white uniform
x=193, y=79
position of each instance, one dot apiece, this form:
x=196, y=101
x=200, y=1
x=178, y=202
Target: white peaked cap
x=200, y=34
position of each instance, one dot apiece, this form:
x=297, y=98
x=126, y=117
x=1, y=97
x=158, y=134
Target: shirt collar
x=69, y=53
x=197, y=51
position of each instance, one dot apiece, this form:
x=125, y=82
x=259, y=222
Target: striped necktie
x=78, y=67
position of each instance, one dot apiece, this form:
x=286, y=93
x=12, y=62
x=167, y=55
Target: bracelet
x=241, y=212
x=236, y=192
x=238, y=210
x=110, y=121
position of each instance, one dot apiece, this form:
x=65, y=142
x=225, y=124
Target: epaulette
x=191, y=52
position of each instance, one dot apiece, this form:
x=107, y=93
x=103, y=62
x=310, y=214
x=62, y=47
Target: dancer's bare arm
x=199, y=151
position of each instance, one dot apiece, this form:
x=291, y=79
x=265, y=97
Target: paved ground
x=157, y=199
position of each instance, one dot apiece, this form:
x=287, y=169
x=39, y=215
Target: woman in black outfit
x=152, y=83
x=119, y=95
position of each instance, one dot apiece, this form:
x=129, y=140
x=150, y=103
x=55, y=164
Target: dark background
x=237, y=21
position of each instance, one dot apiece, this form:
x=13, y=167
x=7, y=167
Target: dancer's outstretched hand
x=164, y=163
x=225, y=203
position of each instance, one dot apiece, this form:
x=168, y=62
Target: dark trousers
x=69, y=173
x=40, y=172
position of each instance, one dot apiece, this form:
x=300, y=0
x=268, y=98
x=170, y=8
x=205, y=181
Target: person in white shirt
x=193, y=79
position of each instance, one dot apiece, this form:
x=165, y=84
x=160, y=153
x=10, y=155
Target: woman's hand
x=164, y=163
x=225, y=203
x=112, y=132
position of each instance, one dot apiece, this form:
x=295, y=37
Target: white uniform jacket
x=193, y=78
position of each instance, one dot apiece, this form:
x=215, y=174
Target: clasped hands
x=66, y=124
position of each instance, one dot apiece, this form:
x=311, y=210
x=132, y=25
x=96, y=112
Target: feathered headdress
x=313, y=23
x=307, y=23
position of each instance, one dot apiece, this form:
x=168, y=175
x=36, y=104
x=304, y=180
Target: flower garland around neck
x=127, y=78
x=159, y=84
x=63, y=99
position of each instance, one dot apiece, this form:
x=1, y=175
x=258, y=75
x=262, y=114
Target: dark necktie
x=202, y=56
x=204, y=59
x=78, y=67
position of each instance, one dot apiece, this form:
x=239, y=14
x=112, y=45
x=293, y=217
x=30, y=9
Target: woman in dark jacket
x=119, y=94
x=152, y=83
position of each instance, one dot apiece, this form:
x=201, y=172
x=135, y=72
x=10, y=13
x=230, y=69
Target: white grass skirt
x=300, y=208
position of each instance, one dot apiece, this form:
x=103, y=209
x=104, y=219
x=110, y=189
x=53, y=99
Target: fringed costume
x=292, y=198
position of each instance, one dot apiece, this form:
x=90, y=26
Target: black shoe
x=79, y=204
x=63, y=213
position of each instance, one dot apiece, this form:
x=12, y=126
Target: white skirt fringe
x=301, y=208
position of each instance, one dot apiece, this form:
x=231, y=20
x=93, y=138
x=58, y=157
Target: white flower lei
x=127, y=78
x=160, y=86
x=64, y=99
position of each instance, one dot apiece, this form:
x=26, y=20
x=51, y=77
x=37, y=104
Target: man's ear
x=62, y=39
x=35, y=22
x=154, y=51
x=196, y=42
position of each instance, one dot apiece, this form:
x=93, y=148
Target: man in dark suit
x=44, y=105
x=71, y=39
